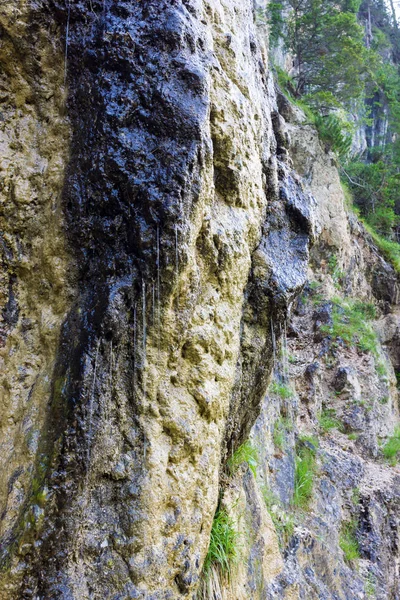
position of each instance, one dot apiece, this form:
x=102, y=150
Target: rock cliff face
x=167, y=219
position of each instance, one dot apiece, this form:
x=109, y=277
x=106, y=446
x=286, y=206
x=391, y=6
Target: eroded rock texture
x=170, y=210
x=159, y=203
x=318, y=376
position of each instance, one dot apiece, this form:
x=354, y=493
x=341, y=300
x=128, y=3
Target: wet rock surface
x=164, y=207
x=164, y=202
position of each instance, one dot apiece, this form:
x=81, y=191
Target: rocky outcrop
x=172, y=207
x=35, y=285
x=340, y=401
x=160, y=203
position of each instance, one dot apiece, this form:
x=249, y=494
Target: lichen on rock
x=167, y=231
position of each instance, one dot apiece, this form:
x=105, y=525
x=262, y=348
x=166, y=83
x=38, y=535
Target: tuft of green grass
x=314, y=285
x=327, y=420
x=348, y=541
x=353, y=436
x=381, y=368
x=314, y=291
x=318, y=299
x=305, y=470
x=348, y=196
x=389, y=249
x=223, y=551
x=370, y=586
x=281, y=389
x=335, y=271
x=392, y=447
x=281, y=427
x=283, y=520
x=355, y=496
x=246, y=453
x=350, y=324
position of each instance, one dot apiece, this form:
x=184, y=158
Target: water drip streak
x=273, y=347
x=176, y=266
x=91, y=402
x=144, y=330
x=281, y=362
x=134, y=343
x=144, y=334
x=107, y=404
x=66, y=43
x=158, y=287
x=285, y=355
x=153, y=311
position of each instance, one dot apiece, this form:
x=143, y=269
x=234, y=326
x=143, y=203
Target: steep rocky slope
x=335, y=398
x=160, y=201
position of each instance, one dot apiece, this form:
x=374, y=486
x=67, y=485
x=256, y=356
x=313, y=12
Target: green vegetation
x=370, y=586
x=327, y=43
x=314, y=285
x=392, y=447
x=305, y=471
x=335, y=271
x=381, y=368
x=281, y=389
x=355, y=496
x=350, y=324
x=389, y=249
x=223, y=551
x=273, y=16
x=246, y=453
x=281, y=427
x=348, y=541
x=327, y=420
x=353, y=436
x=335, y=132
x=342, y=69
x=283, y=520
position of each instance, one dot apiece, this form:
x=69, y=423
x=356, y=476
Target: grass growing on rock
x=335, y=271
x=389, y=249
x=282, y=390
x=282, y=519
x=281, y=427
x=391, y=449
x=223, y=550
x=222, y=556
x=370, y=586
x=305, y=471
x=246, y=453
x=327, y=420
x=350, y=323
x=348, y=541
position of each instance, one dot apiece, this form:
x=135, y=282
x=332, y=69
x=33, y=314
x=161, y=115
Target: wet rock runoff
x=168, y=227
